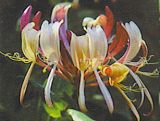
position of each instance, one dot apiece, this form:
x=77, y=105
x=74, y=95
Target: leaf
x=78, y=116
x=61, y=86
x=55, y=111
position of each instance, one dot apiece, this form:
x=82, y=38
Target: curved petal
x=25, y=83
x=36, y=19
x=88, y=21
x=98, y=45
x=24, y=20
x=50, y=42
x=134, y=43
x=105, y=92
x=81, y=98
x=48, y=87
x=59, y=13
x=80, y=51
x=107, y=21
x=30, y=41
x=120, y=40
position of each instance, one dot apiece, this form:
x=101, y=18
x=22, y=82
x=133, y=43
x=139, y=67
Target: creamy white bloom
x=30, y=38
x=88, y=52
x=50, y=45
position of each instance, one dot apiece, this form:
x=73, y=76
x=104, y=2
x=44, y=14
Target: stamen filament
x=144, y=89
x=137, y=79
x=130, y=104
x=155, y=73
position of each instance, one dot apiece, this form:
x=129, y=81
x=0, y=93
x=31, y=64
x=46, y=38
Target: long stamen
x=130, y=104
x=81, y=99
x=48, y=86
x=145, y=90
x=25, y=83
x=155, y=73
x=149, y=98
x=137, y=79
x=105, y=92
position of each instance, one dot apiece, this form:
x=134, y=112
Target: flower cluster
x=86, y=58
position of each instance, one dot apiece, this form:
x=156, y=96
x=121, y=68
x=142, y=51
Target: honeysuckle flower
x=60, y=13
x=128, y=34
x=86, y=55
x=135, y=43
x=66, y=66
x=50, y=45
x=30, y=36
x=116, y=73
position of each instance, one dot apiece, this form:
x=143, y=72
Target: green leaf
x=78, y=116
x=61, y=86
x=55, y=111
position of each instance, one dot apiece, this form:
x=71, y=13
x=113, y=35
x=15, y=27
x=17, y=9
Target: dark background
x=145, y=13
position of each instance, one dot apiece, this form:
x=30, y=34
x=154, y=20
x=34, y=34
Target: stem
x=25, y=83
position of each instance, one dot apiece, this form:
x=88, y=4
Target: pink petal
x=25, y=18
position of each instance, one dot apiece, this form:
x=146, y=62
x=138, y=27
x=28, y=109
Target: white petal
x=79, y=51
x=49, y=41
x=48, y=86
x=135, y=41
x=105, y=92
x=81, y=98
x=87, y=21
x=97, y=44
